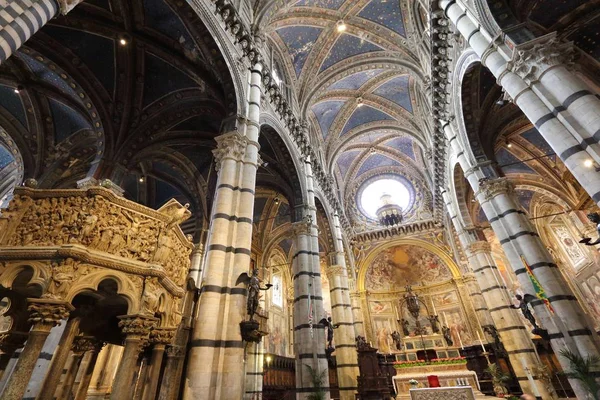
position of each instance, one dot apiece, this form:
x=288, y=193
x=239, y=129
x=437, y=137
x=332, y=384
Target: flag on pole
x=539, y=290
x=310, y=311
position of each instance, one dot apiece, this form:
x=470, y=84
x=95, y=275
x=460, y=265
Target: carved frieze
x=479, y=247
x=230, y=146
x=491, y=188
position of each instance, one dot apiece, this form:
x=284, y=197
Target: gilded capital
x=491, y=188
x=162, y=336
x=46, y=314
x=535, y=57
x=481, y=246
x=230, y=146
x=81, y=344
x=301, y=228
x=137, y=325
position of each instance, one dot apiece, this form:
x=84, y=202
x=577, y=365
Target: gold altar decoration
x=73, y=239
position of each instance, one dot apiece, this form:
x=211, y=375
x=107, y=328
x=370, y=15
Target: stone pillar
x=309, y=342
x=86, y=378
x=570, y=136
x=216, y=355
x=159, y=338
x=344, y=336
x=196, y=264
x=9, y=343
x=59, y=359
x=506, y=320
x=81, y=345
x=169, y=388
x=567, y=325
x=136, y=329
x=357, y=314
x=255, y=358
x=44, y=315
x=141, y=374
x=23, y=19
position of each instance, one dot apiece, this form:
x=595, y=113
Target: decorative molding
x=230, y=146
x=491, y=188
x=479, y=247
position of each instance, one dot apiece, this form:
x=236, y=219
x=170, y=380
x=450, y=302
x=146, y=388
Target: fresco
x=380, y=307
x=277, y=340
x=325, y=289
x=459, y=331
x=402, y=265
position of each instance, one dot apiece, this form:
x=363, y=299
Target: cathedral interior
x=299, y=199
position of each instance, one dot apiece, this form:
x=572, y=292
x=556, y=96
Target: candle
x=433, y=305
x=460, y=340
x=370, y=344
x=445, y=318
x=481, y=342
x=536, y=392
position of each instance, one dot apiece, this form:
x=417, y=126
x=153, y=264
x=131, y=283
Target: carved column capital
x=81, y=344
x=490, y=188
x=480, y=246
x=137, y=326
x=335, y=270
x=531, y=59
x=175, y=351
x=301, y=228
x=230, y=146
x=46, y=314
x=67, y=5
x=162, y=336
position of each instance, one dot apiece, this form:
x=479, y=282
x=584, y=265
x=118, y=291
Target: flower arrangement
x=413, y=382
x=436, y=361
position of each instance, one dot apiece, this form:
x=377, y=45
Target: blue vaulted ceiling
x=402, y=144
x=364, y=115
x=326, y=112
x=347, y=46
x=375, y=161
x=299, y=41
x=346, y=159
x=396, y=90
x=356, y=80
x=386, y=13
x=330, y=4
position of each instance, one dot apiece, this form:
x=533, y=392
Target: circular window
x=370, y=194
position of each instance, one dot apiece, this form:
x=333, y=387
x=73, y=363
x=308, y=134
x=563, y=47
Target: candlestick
x=480, y=341
x=433, y=306
x=445, y=318
x=460, y=340
x=370, y=344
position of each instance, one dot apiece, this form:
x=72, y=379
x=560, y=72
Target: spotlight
x=588, y=163
x=341, y=26
x=265, y=164
x=19, y=88
x=141, y=179
x=276, y=200
x=359, y=102
x=373, y=150
x=508, y=144
x=501, y=102
x=268, y=358
x=123, y=41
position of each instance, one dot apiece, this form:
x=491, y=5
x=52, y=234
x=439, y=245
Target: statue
x=524, y=307
x=397, y=340
x=595, y=218
x=434, y=320
x=404, y=324
x=447, y=335
x=254, y=289
x=361, y=343
x=326, y=322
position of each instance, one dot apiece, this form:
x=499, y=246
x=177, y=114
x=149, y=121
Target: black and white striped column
x=573, y=145
x=357, y=314
x=309, y=344
x=255, y=359
x=341, y=309
x=216, y=367
x=514, y=336
x=21, y=19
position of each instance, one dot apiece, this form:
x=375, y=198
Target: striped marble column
x=341, y=308
x=513, y=334
x=564, y=134
x=309, y=342
x=255, y=359
x=567, y=326
x=21, y=19
x=216, y=366
x=357, y=314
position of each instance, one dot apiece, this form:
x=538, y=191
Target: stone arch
x=126, y=288
x=11, y=174
x=419, y=243
x=32, y=273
